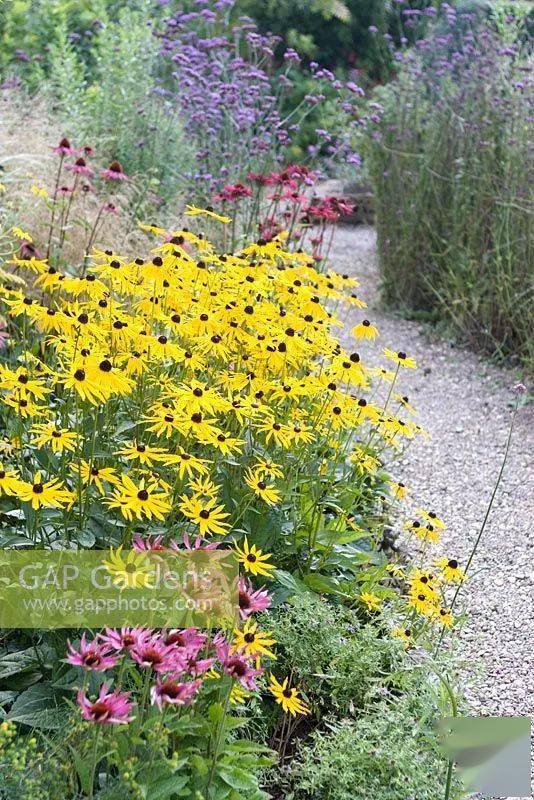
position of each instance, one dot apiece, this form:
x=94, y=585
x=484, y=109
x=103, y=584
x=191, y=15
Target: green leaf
x=291, y=582
x=18, y=661
x=236, y=777
x=38, y=707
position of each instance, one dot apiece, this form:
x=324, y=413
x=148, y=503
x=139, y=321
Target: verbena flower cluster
x=231, y=95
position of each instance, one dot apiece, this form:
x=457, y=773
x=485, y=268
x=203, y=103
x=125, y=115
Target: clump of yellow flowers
x=206, y=394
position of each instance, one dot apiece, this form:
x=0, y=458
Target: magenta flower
x=237, y=665
x=64, y=148
x=80, y=167
x=189, y=639
x=121, y=639
x=141, y=545
x=170, y=692
x=111, y=708
x=198, y=544
x=250, y=600
x=114, y=172
x=151, y=652
x=92, y=655
x=234, y=192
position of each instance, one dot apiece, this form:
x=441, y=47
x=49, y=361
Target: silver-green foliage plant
x=113, y=102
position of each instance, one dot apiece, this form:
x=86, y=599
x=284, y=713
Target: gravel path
x=465, y=404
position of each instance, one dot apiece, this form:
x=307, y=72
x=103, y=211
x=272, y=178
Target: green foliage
x=187, y=756
x=117, y=109
x=336, y=656
x=390, y=754
x=337, y=34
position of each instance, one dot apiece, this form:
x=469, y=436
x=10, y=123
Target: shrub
x=389, y=754
x=450, y=164
x=117, y=105
x=341, y=34
x=338, y=657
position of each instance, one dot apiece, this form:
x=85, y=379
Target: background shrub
x=453, y=181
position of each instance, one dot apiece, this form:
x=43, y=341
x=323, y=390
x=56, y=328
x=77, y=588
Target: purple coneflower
x=170, y=692
x=111, y=708
x=80, y=167
x=121, y=638
x=91, y=655
x=151, y=652
x=64, y=148
x=114, y=172
x=251, y=600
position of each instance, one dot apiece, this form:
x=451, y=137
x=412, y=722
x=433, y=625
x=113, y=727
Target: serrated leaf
x=38, y=707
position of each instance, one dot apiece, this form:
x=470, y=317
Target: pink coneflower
x=91, y=655
x=80, y=167
x=87, y=150
x=189, y=639
x=251, y=600
x=237, y=665
x=111, y=708
x=65, y=190
x=64, y=148
x=151, y=652
x=121, y=639
x=110, y=208
x=141, y=545
x=198, y=544
x=170, y=692
x=28, y=251
x=114, y=172
x=234, y=192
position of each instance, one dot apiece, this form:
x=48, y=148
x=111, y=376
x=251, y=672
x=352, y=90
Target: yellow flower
x=253, y=560
x=253, y=642
x=399, y=490
x=9, y=480
x=132, y=571
x=238, y=695
x=451, y=570
x=143, y=453
x=50, y=494
x=139, y=501
x=20, y=234
x=193, y=211
x=445, y=617
x=400, y=358
x=372, y=602
x=266, y=491
x=432, y=518
x=59, y=439
x=91, y=473
x=209, y=517
x=365, y=330
x=40, y=191
x=287, y=697
x=405, y=634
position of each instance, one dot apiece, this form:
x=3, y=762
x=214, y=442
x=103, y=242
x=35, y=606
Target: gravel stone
x=465, y=403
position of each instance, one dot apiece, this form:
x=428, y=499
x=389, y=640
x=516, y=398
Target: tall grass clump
x=449, y=157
